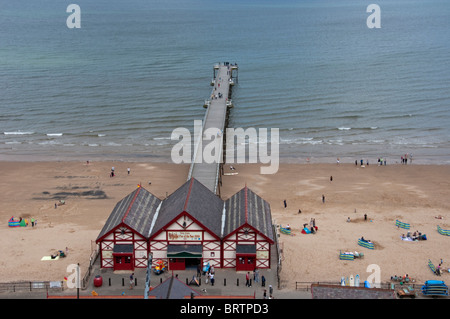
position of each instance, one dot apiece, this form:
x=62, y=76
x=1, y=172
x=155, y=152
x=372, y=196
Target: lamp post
x=78, y=280
x=147, y=279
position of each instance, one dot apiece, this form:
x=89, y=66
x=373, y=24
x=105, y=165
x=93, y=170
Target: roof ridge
x=246, y=204
x=170, y=288
x=188, y=194
x=131, y=204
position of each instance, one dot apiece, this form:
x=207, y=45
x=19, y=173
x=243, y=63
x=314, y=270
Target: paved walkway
x=215, y=118
x=228, y=282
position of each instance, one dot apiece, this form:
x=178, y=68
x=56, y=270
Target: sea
x=134, y=71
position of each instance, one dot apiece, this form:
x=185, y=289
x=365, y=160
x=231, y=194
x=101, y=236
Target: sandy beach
x=414, y=194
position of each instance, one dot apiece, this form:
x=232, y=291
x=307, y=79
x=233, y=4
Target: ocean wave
x=162, y=138
x=343, y=128
x=112, y=144
x=301, y=141
x=52, y=142
x=335, y=142
x=54, y=134
x=18, y=133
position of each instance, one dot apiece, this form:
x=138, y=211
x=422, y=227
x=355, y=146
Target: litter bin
x=98, y=281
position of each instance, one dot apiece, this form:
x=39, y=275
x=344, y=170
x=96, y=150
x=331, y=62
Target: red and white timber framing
x=246, y=235
x=186, y=230
x=123, y=235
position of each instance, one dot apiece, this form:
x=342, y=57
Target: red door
x=245, y=262
x=177, y=264
x=123, y=262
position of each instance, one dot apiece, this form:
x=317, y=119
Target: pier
x=216, y=117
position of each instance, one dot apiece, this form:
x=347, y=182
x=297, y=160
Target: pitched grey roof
x=135, y=210
x=195, y=199
x=147, y=214
x=172, y=288
x=246, y=207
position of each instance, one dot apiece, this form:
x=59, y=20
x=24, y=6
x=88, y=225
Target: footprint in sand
x=146, y=166
x=310, y=186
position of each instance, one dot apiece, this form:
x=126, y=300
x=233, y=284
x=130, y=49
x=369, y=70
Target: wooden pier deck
x=215, y=118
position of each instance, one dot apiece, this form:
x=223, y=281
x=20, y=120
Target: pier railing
x=306, y=285
x=31, y=286
x=92, y=259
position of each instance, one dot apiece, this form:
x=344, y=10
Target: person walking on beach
x=323, y=198
x=285, y=203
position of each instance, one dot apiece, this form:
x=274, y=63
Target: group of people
x=217, y=96
x=60, y=253
x=210, y=276
x=404, y=159
x=438, y=269
x=248, y=279
x=208, y=272
x=415, y=236
x=24, y=222
x=349, y=220
x=270, y=293
x=404, y=278
x=362, y=162
x=312, y=226
x=381, y=161
x=113, y=172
